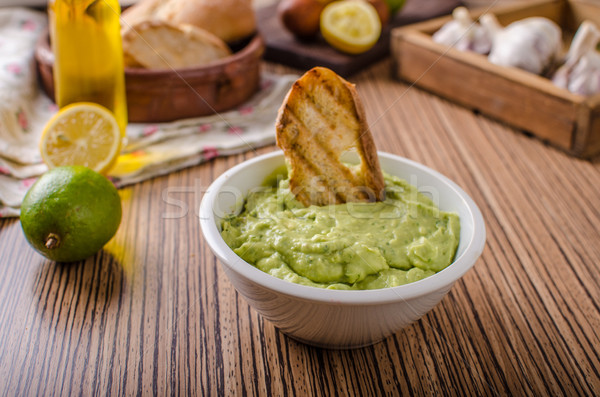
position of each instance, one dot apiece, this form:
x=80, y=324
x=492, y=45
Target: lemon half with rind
x=351, y=26
x=82, y=133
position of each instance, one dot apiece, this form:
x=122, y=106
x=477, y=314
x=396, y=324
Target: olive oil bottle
x=86, y=41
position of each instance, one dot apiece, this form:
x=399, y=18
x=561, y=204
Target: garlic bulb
x=531, y=44
x=580, y=73
x=463, y=34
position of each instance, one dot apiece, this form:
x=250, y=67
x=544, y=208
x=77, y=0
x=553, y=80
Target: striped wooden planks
x=154, y=313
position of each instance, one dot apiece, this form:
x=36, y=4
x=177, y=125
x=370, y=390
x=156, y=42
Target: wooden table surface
x=154, y=314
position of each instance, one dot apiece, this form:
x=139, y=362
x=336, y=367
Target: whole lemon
x=70, y=213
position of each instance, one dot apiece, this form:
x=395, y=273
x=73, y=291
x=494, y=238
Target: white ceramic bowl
x=333, y=318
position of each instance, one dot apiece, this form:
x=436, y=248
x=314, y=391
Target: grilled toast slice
x=322, y=118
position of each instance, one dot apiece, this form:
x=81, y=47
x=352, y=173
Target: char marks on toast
x=321, y=119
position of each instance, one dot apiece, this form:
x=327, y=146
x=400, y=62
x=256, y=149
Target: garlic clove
x=463, y=33
x=580, y=73
x=585, y=40
x=585, y=76
x=531, y=44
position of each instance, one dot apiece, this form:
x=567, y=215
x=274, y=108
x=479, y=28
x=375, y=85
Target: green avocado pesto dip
x=349, y=246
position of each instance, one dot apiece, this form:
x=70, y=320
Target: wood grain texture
x=154, y=314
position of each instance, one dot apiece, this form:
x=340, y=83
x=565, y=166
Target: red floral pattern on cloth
x=26, y=183
x=210, y=152
x=246, y=110
x=235, y=130
x=150, y=130
x=29, y=25
x=15, y=69
x=23, y=120
x=151, y=149
x=24, y=110
x=266, y=84
x=171, y=146
x=204, y=127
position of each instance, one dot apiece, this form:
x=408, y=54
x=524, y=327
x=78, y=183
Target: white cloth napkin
x=152, y=149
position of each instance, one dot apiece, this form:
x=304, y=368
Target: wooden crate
x=519, y=98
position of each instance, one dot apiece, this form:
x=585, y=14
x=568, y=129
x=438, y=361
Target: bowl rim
x=440, y=280
x=255, y=45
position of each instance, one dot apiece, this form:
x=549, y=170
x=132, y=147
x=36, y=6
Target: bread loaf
x=230, y=20
x=143, y=10
x=157, y=44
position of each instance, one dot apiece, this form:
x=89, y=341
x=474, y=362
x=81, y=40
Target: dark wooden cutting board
x=282, y=47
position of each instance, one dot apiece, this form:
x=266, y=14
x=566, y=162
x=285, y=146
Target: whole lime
x=70, y=213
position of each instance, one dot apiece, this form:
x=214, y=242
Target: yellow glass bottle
x=88, y=66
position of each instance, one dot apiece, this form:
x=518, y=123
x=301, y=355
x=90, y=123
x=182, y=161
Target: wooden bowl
x=167, y=95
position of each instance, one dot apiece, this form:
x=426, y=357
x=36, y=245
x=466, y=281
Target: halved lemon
x=351, y=26
x=82, y=133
